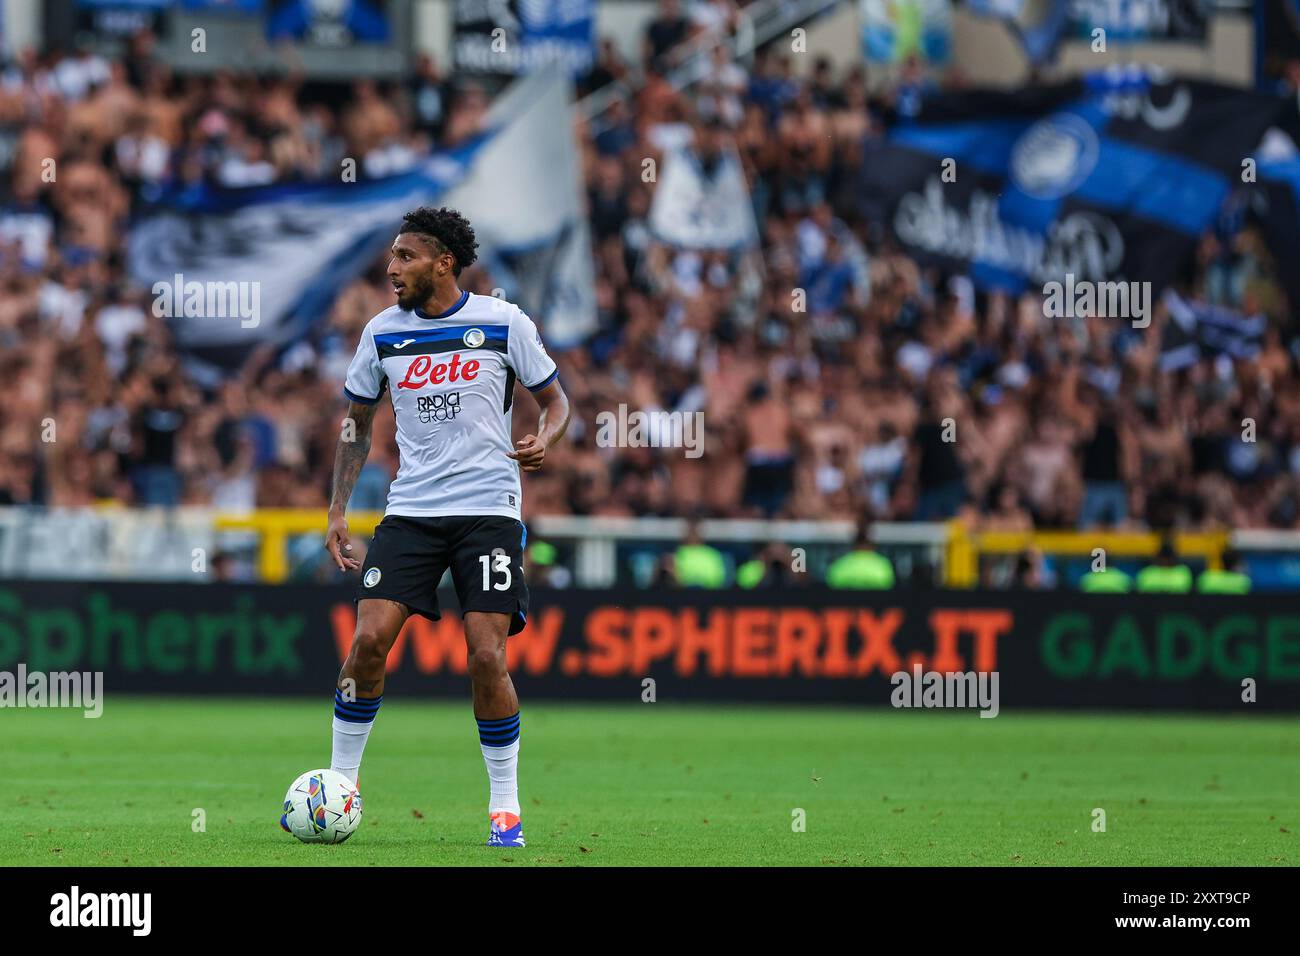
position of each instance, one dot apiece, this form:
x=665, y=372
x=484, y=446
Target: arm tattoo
x=351, y=455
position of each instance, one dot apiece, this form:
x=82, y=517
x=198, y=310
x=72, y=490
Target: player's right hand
x=338, y=544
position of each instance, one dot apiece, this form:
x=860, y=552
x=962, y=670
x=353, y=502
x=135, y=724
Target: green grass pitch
x=657, y=784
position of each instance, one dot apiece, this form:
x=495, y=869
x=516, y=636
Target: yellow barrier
x=274, y=525
x=965, y=547
x=962, y=552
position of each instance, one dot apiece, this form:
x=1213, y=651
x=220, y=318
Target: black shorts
x=408, y=557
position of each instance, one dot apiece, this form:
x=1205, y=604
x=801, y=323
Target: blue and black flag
x=1108, y=178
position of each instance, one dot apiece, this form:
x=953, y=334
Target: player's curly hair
x=448, y=229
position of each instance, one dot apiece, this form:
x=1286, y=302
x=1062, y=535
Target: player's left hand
x=530, y=450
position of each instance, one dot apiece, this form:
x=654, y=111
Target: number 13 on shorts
x=494, y=564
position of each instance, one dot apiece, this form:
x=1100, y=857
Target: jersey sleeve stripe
x=359, y=399
x=541, y=385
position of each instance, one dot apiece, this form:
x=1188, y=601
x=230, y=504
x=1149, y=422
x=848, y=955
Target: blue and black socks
x=499, y=741
x=352, y=722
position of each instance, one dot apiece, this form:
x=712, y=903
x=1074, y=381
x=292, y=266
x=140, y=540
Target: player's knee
x=369, y=647
x=486, y=663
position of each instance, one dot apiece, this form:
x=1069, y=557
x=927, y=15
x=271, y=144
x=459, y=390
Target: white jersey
x=451, y=378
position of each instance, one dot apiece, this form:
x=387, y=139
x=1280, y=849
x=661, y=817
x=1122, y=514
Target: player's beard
x=416, y=293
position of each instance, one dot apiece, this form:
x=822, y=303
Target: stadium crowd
x=899, y=392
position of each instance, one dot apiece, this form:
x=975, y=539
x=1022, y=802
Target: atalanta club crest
x=1054, y=156
x=474, y=338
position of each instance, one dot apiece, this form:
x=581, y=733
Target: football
x=322, y=806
